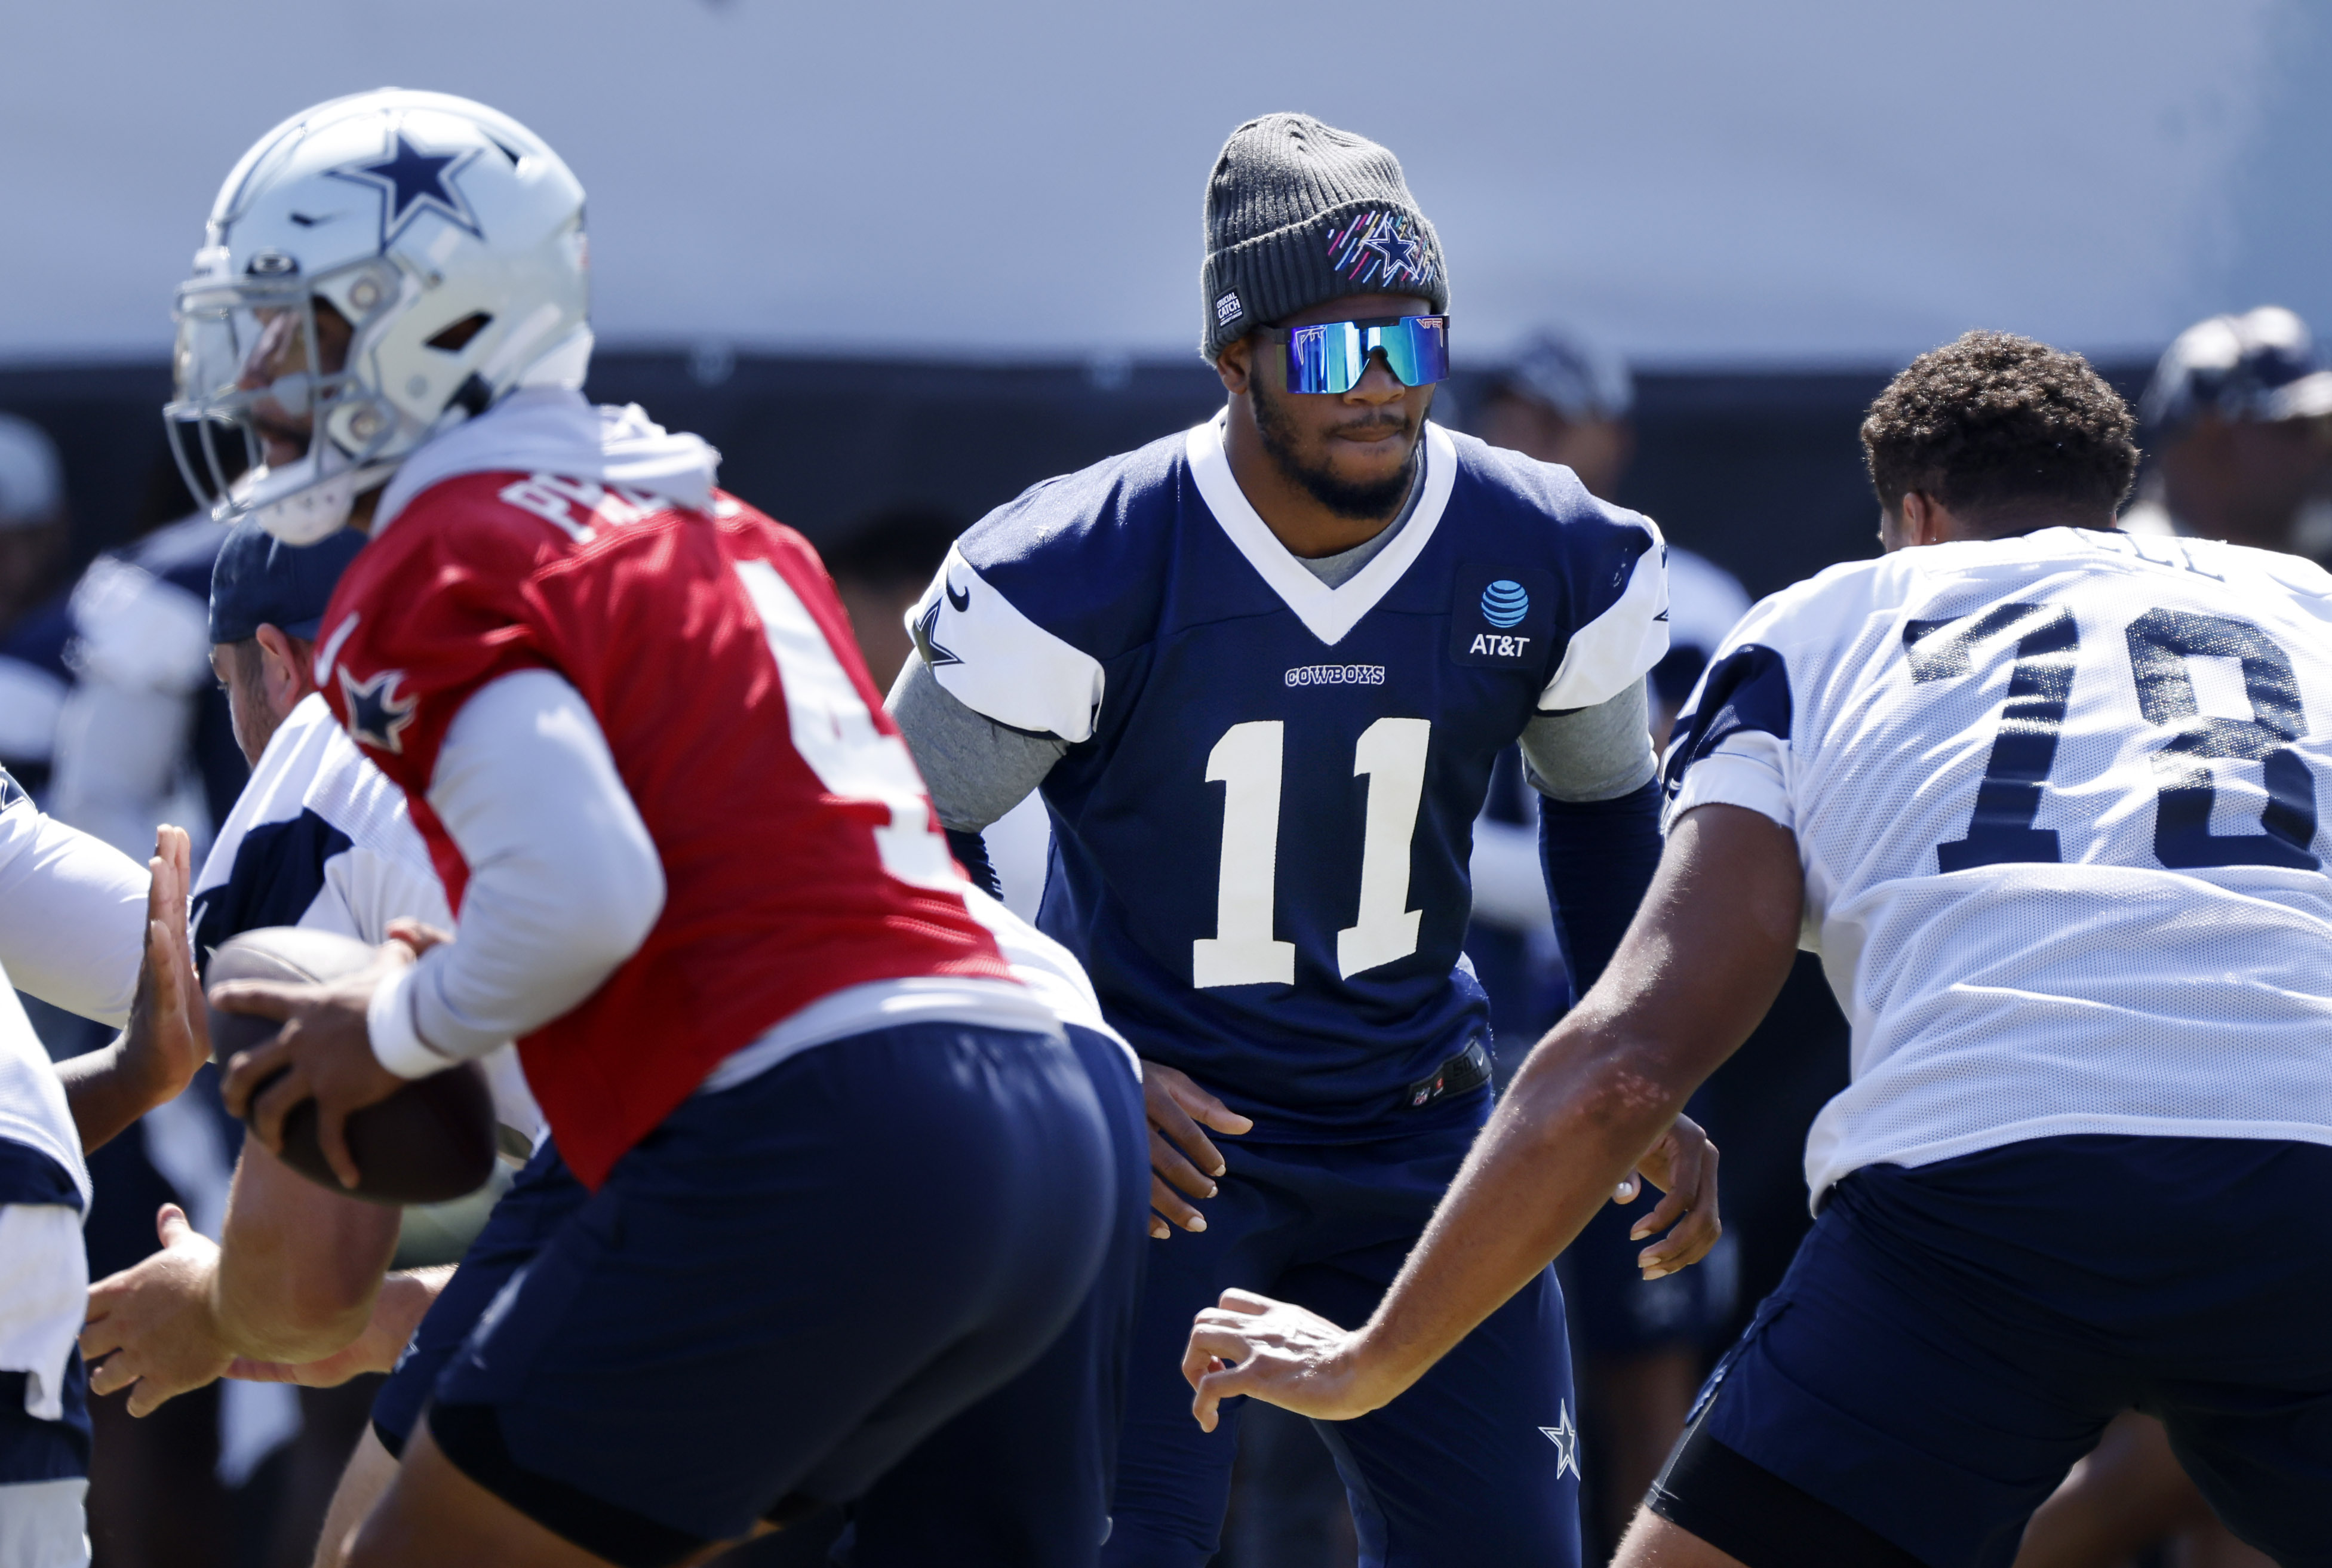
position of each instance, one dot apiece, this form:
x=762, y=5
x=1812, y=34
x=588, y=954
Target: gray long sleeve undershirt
x=978, y=770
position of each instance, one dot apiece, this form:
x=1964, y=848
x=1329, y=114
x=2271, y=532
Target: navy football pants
x=1472, y=1467
x=1019, y=1480
x=1022, y=1479
x=1952, y=1337
x=783, y=1289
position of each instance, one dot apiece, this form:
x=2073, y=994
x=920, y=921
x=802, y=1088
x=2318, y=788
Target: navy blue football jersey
x=1261, y=825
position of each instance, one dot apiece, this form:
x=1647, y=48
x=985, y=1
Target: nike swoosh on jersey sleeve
x=1620, y=645
x=997, y=662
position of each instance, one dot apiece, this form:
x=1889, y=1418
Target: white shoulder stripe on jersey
x=1329, y=613
x=997, y=662
x=1616, y=649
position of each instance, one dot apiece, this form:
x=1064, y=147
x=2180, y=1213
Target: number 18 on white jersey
x=2056, y=799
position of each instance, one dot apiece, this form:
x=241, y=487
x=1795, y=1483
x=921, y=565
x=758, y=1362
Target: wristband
x=397, y=1043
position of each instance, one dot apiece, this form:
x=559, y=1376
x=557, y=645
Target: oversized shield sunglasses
x=1332, y=356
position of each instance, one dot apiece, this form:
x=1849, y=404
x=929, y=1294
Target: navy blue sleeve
x=971, y=850
x=1599, y=856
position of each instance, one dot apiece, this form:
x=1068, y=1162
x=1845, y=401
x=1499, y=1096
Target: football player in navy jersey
x=1260, y=672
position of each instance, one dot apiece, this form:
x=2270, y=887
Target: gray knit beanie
x=1298, y=212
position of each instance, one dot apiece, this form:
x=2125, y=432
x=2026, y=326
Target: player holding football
x=2044, y=795
x=319, y=840
x=1261, y=671
x=697, y=877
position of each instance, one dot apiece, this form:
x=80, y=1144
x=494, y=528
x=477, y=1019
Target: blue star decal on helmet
x=376, y=714
x=413, y=180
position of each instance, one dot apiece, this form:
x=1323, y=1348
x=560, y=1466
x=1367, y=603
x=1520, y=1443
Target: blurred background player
x=1640, y=1342
x=560, y=637
x=1341, y=614
x=34, y=556
x=319, y=839
x=2237, y=424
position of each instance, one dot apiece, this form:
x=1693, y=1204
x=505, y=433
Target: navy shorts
x=778, y=1292
x=1476, y=1464
x=1952, y=1337
x=1022, y=1479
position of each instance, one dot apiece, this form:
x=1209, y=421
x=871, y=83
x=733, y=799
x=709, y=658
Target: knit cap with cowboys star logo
x=1298, y=212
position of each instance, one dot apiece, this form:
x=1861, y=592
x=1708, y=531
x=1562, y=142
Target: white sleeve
x=1748, y=768
x=1000, y=664
x=72, y=915
x=565, y=883
x=365, y=889
x=1619, y=648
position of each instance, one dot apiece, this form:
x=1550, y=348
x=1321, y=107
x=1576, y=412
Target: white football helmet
x=448, y=237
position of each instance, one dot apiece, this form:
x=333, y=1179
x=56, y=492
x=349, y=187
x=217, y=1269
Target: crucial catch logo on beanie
x=1502, y=616
x=1380, y=248
x=1227, y=308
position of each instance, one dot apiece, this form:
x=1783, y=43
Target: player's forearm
x=1572, y=1125
x=299, y=1267
x=109, y=1088
x=1599, y=857
x=1703, y=962
x=565, y=883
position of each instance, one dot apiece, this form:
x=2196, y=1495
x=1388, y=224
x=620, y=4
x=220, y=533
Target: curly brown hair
x=1995, y=421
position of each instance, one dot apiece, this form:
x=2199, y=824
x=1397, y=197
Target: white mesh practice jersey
x=319, y=838
x=2058, y=802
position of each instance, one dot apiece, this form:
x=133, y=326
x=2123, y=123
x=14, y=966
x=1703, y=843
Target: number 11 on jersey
x=1247, y=762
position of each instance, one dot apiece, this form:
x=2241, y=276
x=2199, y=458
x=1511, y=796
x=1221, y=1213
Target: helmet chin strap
x=298, y=506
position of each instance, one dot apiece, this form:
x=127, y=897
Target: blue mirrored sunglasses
x=1332, y=356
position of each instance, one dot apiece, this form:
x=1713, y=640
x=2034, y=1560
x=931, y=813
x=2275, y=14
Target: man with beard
x=1341, y=615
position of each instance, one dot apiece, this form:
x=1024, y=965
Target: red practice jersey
x=801, y=853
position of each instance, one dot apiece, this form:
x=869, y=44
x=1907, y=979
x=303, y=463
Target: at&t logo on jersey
x=1502, y=616
x=1504, y=603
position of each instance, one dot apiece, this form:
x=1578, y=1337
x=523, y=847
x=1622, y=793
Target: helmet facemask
x=251, y=363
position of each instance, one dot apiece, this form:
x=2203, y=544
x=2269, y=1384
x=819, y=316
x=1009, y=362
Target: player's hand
x=416, y=936
x=1683, y=1166
x=1177, y=1108
x=324, y=1053
x=168, y=1037
x=1276, y=1352
x=152, y=1323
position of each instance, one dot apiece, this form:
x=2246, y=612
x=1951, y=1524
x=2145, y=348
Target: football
x=430, y=1141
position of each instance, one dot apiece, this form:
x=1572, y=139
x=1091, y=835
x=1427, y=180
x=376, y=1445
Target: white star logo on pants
x=1565, y=1438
